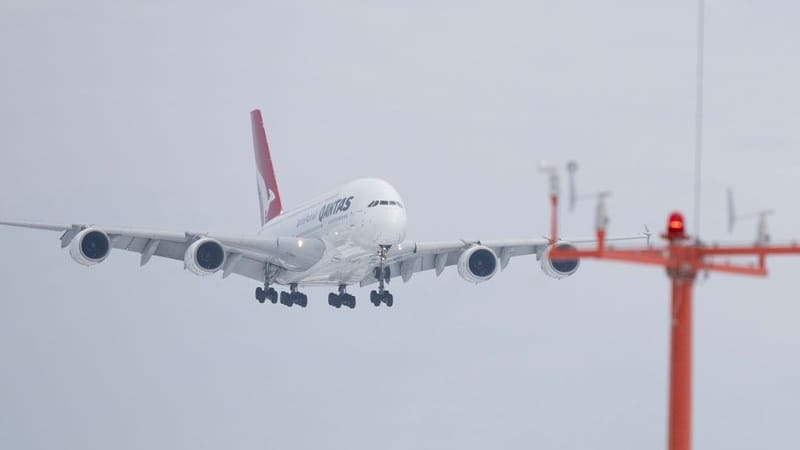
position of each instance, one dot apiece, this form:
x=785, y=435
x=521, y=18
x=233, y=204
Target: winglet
x=269, y=198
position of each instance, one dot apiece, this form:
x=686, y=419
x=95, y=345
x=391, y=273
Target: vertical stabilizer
x=269, y=198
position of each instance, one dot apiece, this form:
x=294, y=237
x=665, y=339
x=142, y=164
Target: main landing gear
x=383, y=274
x=378, y=297
x=266, y=293
x=286, y=298
x=293, y=297
x=342, y=298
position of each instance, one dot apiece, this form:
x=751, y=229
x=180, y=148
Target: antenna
x=762, y=229
x=731, y=212
x=552, y=173
x=572, y=167
x=574, y=198
x=698, y=119
x=601, y=210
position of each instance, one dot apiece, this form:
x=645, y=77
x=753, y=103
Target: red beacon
x=675, y=228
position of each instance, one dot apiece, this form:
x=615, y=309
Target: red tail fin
x=269, y=198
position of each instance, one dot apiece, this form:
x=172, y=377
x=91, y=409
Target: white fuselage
x=353, y=221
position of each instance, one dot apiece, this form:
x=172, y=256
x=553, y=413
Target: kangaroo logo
x=265, y=195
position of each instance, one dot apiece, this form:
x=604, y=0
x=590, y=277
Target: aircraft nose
x=392, y=226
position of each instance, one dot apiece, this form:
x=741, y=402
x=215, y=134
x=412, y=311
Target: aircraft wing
x=411, y=257
x=246, y=256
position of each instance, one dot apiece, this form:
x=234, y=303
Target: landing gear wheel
x=348, y=300
x=378, y=297
x=301, y=299
x=261, y=296
x=286, y=299
x=342, y=298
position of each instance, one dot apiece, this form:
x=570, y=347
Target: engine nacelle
x=560, y=268
x=204, y=257
x=477, y=264
x=90, y=246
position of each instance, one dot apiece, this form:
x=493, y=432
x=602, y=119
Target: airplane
x=353, y=235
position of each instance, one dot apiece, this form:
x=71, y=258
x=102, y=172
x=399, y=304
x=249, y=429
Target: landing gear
x=342, y=298
x=266, y=293
x=293, y=297
x=383, y=274
x=378, y=297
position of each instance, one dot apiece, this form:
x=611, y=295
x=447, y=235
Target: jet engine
x=204, y=257
x=477, y=264
x=90, y=246
x=560, y=268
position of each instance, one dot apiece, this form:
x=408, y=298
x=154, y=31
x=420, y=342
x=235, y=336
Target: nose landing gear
x=383, y=274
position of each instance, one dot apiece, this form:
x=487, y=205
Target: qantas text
x=335, y=207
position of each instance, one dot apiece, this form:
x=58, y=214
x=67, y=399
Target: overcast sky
x=138, y=115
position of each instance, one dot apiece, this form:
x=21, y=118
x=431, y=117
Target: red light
x=675, y=226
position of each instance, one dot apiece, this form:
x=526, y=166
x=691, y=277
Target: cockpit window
x=384, y=203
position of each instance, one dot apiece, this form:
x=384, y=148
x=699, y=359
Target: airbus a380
x=353, y=235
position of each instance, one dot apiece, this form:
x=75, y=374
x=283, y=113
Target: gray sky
x=138, y=115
